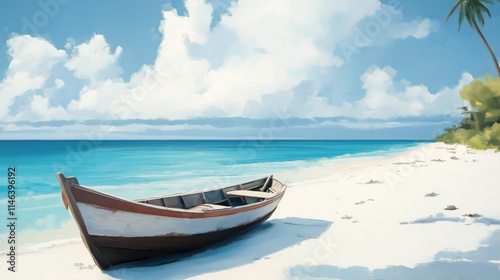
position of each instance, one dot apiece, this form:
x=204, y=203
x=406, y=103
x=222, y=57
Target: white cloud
x=268, y=50
x=179, y=86
x=103, y=130
x=32, y=55
x=100, y=100
x=88, y=98
x=448, y=99
x=386, y=98
x=380, y=124
x=70, y=42
x=416, y=28
x=277, y=47
x=32, y=60
x=385, y=24
x=59, y=83
x=94, y=59
x=40, y=106
x=199, y=29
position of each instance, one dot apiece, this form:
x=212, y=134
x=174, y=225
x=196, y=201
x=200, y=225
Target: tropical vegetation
x=480, y=128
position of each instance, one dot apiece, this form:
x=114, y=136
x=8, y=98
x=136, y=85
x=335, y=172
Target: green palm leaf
x=473, y=11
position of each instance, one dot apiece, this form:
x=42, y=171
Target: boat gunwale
x=171, y=211
x=164, y=210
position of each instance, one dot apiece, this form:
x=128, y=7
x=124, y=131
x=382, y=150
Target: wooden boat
x=116, y=230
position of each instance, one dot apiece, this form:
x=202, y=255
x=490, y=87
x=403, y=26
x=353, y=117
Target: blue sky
x=235, y=69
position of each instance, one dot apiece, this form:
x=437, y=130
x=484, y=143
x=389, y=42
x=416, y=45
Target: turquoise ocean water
x=138, y=169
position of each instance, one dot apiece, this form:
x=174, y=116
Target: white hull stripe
x=103, y=222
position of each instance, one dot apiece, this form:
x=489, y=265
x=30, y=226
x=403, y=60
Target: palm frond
x=455, y=7
x=479, y=15
x=472, y=10
x=461, y=16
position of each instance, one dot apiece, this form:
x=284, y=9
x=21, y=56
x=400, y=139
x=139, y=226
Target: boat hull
x=118, y=250
x=118, y=231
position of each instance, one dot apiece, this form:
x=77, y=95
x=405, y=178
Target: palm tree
x=473, y=10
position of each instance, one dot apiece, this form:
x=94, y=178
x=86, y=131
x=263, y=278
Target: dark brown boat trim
x=118, y=250
x=112, y=203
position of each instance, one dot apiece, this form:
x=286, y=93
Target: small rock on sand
x=373, y=182
x=475, y=215
x=432, y=194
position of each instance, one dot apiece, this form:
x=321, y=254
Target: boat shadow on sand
x=267, y=238
x=475, y=264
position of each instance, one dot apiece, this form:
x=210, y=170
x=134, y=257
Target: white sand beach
x=431, y=212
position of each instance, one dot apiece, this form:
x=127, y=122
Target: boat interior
x=233, y=196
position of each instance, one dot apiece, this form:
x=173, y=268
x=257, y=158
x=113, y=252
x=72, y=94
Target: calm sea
x=137, y=169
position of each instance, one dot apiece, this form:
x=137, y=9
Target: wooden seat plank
x=247, y=193
x=208, y=206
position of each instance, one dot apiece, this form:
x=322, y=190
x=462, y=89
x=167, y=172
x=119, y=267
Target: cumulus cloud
x=59, y=83
x=416, y=28
x=387, y=98
x=267, y=52
x=40, y=106
x=94, y=58
x=275, y=47
x=35, y=56
x=258, y=61
x=32, y=59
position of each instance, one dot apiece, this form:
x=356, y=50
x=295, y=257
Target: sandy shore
x=432, y=212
